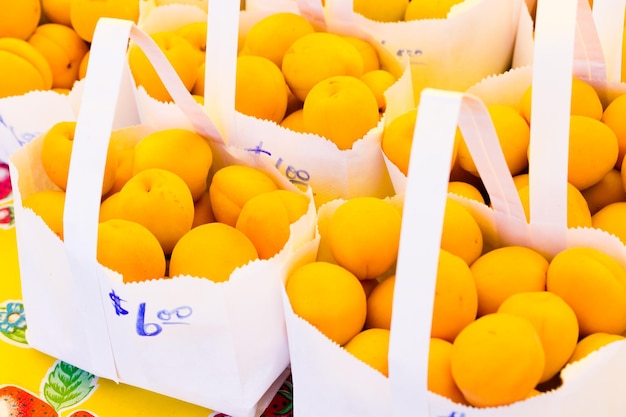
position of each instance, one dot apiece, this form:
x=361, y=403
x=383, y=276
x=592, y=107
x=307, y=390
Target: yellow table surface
x=49, y=387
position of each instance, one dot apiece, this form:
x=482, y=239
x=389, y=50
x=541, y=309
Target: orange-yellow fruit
x=266, y=219
x=294, y=121
x=608, y=190
x=514, y=137
x=232, y=186
x=202, y=212
x=584, y=102
x=379, y=81
x=185, y=153
x=317, y=56
x=591, y=343
x=56, y=151
x=195, y=34
x=179, y=53
x=379, y=303
x=428, y=9
x=19, y=18
x=63, y=49
x=84, y=14
x=364, y=236
x=372, y=347
x=23, y=68
x=594, y=285
x=213, y=251
x=388, y=11
x=161, y=201
x=330, y=298
x=497, y=360
x=465, y=189
x=82, y=67
x=578, y=214
x=456, y=298
x=461, y=235
x=50, y=206
x=555, y=323
x=131, y=250
x=261, y=90
x=272, y=36
x=593, y=151
x=611, y=219
x=613, y=118
x=506, y=271
x=342, y=109
x=440, y=380
x=110, y=208
x=368, y=53
x=57, y=11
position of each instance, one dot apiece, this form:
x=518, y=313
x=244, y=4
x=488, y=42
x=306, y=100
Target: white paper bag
x=324, y=373
x=477, y=39
x=219, y=345
x=304, y=159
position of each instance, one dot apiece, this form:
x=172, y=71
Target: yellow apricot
x=497, y=360
x=57, y=11
x=232, y=186
x=161, y=201
x=398, y=138
x=342, y=109
x=213, y=251
x=608, y=190
x=261, y=90
x=131, y=250
x=185, y=153
x=372, y=347
x=389, y=11
x=364, y=235
x=428, y=9
x=555, y=323
x=506, y=271
x=202, y=210
x=195, y=34
x=611, y=219
x=593, y=151
x=23, y=68
x=440, y=380
x=379, y=303
x=591, y=343
x=19, y=18
x=594, y=285
x=179, y=52
x=379, y=81
x=467, y=190
x=56, y=151
x=329, y=297
x=317, y=56
x=272, y=35
x=613, y=118
x=461, y=235
x=295, y=121
x=84, y=14
x=371, y=61
x=266, y=219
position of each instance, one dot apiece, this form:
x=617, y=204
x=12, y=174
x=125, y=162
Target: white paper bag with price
x=477, y=39
x=304, y=159
x=324, y=373
x=219, y=345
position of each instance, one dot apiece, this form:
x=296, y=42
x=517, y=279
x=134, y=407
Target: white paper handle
x=609, y=22
x=549, y=130
x=424, y=205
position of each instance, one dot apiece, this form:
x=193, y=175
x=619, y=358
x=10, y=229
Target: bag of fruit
x=259, y=107
x=203, y=323
x=450, y=44
x=567, y=284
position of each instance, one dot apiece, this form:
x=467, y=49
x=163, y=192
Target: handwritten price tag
x=163, y=317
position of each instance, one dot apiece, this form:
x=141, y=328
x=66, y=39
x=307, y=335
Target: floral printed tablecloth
x=35, y=384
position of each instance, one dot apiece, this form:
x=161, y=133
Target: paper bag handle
x=609, y=23
x=438, y=114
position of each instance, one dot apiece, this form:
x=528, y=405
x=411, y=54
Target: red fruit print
x=82, y=413
x=14, y=401
x=5, y=181
x=6, y=215
x=282, y=403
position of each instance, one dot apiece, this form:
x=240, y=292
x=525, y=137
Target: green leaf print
x=67, y=385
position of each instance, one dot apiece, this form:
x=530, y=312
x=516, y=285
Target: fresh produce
x=168, y=214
